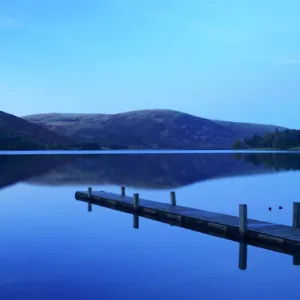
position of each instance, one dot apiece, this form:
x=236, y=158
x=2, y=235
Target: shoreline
x=150, y=151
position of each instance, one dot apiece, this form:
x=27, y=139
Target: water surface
x=52, y=247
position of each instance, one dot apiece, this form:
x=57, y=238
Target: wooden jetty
x=275, y=237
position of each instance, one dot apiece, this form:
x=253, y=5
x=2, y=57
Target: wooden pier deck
x=279, y=238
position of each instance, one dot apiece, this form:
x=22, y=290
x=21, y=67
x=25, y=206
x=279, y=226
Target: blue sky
x=222, y=59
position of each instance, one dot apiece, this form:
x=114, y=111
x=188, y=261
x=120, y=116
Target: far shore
x=138, y=151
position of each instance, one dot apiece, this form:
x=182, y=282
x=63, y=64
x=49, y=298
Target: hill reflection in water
x=151, y=171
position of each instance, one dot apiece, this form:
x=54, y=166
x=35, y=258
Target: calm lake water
x=51, y=247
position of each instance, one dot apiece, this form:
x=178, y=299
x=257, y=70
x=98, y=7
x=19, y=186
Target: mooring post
x=89, y=192
x=243, y=218
x=296, y=214
x=123, y=190
x=173, y=198
x=135, y=221
x=243, y=256
x=136, y=200
x=89, y=199
x=296, y=224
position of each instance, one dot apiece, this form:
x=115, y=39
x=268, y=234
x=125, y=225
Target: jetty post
x=296, y=224
x=89, y=192
x=243, y=218
x=136, y=200
x=173, y=198
x=296, y=214
x=89, y=201
x=123, y=191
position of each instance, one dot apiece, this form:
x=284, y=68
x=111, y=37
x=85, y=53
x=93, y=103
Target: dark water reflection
x=153, y=171
x=54, y=247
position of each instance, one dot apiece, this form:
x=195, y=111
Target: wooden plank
x=267, y=235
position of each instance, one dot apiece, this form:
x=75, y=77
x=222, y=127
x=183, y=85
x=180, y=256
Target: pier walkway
x=280, y=238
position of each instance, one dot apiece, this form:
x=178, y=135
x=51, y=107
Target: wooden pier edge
x=170, y=214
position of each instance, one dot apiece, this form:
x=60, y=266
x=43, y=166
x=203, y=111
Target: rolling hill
x=19, y=134
x=162, y=129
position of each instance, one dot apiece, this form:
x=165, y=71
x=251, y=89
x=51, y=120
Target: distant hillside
x=18, y=134
x=250, y=128
x=149, y=129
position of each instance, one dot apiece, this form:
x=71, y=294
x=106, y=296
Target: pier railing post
x=89, y=192
x=173, y=198
x=243, y=218
x=296, y=214
x=123, y=190
x=136, y=200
